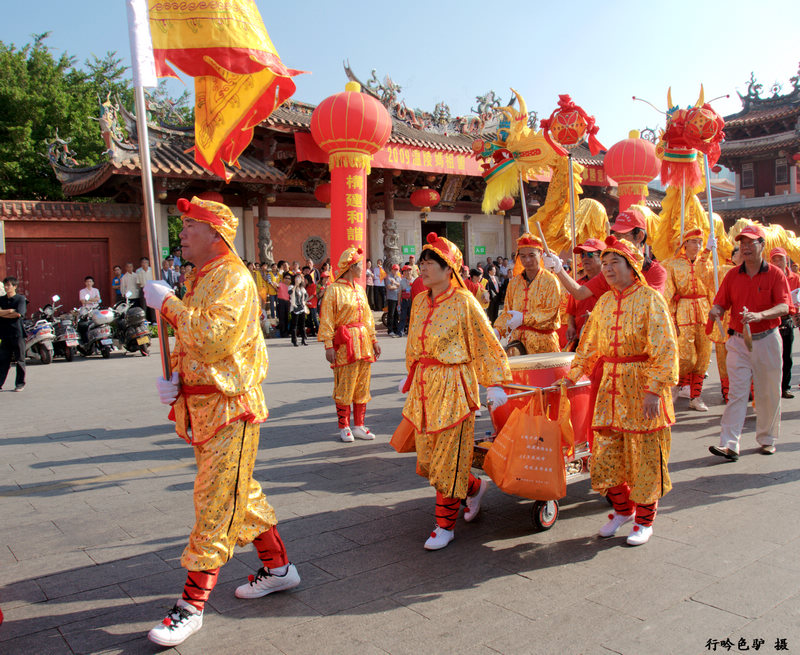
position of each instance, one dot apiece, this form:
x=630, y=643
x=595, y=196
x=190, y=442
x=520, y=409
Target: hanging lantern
x=213, y=196
x=425, y=198
x=505, y=204
x=796, y=157
x=568, y=125
x=703, y=123
x=716, y=169
x=323, y=193
x=632, y=164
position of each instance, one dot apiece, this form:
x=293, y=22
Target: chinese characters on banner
x=348, y=210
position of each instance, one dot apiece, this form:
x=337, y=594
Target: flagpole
x=715, y=252
x=144, y=75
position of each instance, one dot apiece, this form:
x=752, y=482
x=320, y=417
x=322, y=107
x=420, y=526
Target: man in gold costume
x=689, y=292
x=218, y=364
x=533, y=300
x=451, y=348
x=347, y=329
x=629, y=350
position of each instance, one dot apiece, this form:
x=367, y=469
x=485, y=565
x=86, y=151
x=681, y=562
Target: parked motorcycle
x=66, y=339
x=94, y=331
x=39, y=339
x=132, y=330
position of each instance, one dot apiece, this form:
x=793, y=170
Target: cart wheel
x=544, y=514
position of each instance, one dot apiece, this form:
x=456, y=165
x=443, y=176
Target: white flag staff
x=144, y=75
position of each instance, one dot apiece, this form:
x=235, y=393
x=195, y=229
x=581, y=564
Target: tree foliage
x=41, y=97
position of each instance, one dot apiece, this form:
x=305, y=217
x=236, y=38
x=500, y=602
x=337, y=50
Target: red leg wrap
x=359, y=414
x=725, y=383
x=646, y=514
x=473, y=485
x=620, y=499
x=446, y=511
x=697, y=386
x=198, y=587
x=684, y=380
x=343, y=414
x=271, y=550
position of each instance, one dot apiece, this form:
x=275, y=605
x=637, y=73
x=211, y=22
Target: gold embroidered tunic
x=219, y=350
x=628, y=324
x=539, y=302
x=346, y=323
x=451, y=348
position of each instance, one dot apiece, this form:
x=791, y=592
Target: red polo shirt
x=764, y=290
x=654, y=274
x=578, y=308
x=417, y=287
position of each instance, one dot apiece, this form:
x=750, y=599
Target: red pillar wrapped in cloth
x=351, y=127
x=632, y=163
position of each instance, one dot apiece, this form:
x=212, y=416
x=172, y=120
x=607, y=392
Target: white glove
x=496, y=397
x=155, y=292
x=712, y=242
x=552, y=263
x=515, y=321
x=402, y=384
x=168, y=389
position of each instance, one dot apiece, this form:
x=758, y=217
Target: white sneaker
x=439, y=538
x=615, y=522
x=684, y=391
x=361, y=432
x=640, y=535
x=181, y=622
x=474, y=502
x=265, y=582
x=346, y=435
x=478, y=413
x=698, y=405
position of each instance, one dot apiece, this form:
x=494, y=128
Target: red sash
x=343, y=336
x=530, y=328
x=597, y=373
x=424, y=362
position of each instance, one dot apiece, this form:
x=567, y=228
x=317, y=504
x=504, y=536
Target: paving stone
x=44, y=642
x=20, y=593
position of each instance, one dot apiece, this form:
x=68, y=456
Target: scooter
x=66, y=341
x=39, y=340
x=94, y=331
x=132, y=330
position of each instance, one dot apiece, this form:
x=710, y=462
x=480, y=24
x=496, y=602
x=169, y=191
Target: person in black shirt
x=12, y=335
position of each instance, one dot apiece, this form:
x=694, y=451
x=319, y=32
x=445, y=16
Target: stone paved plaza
x=96, y=505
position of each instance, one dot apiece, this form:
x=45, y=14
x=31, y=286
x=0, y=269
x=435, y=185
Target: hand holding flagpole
x=144, y=75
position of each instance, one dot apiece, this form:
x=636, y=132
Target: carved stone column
x=391, y=247
x=264, y=238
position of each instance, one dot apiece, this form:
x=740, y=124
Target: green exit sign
x=480, y=250
x=409, y=250
x=164, y=252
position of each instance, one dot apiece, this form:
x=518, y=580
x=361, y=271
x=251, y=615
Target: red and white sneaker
x=439, y=538
x=361, y=432
x=346, y=435
x=266, y=582
x=474, y=502
x=640, y=535
x=616, y=521
x=181, y=622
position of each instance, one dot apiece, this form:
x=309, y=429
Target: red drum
x=542, y=370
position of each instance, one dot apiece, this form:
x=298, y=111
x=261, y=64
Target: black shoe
x=787, y=394
x=727, y=453
x=304, y=342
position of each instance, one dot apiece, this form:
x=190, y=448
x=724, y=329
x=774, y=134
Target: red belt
x=597, y=373
x=530, y=328
x=343, y=336
x=424, y=362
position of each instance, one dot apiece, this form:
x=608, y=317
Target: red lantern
x=796, y=156
x=213, y=196
x=323, y=193
x=505, y=204
x=716, y=169
x=703, y=124
x=425, y=198
x=632, y=164
x=350, y=126
x=568, y=125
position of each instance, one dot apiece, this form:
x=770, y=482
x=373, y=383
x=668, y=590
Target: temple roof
x=760, y=144
x=759, y=213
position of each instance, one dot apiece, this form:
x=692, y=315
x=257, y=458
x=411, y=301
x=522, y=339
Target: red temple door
x=764, y=174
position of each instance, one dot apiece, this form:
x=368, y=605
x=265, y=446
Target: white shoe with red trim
x=439, y=538
x=640, y=535
x=616, y=521
x=361, y=432
x=474, y=502
x=181, y=622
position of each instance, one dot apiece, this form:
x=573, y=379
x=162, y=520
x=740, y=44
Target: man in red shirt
x=757, y=295
x=578, y=310
x=779, y=258
x=629, y=226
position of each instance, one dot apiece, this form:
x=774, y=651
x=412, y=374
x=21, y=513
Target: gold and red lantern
x=568, y=125
x=323, y=193
x=632, y=163
x=351, y=127
x=424, y=199
x=505, y=205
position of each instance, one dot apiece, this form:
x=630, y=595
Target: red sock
x=684, y=380
x=620, y=499
x=271, y=550
x=198, y=587
x=446, y=511
x=473, y=485
x=646, y=514
x=343, y=414
x=724, y=382
x=359, y=413
x=697, y=386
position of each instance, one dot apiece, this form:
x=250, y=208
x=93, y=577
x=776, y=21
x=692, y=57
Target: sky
x=601, y=53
